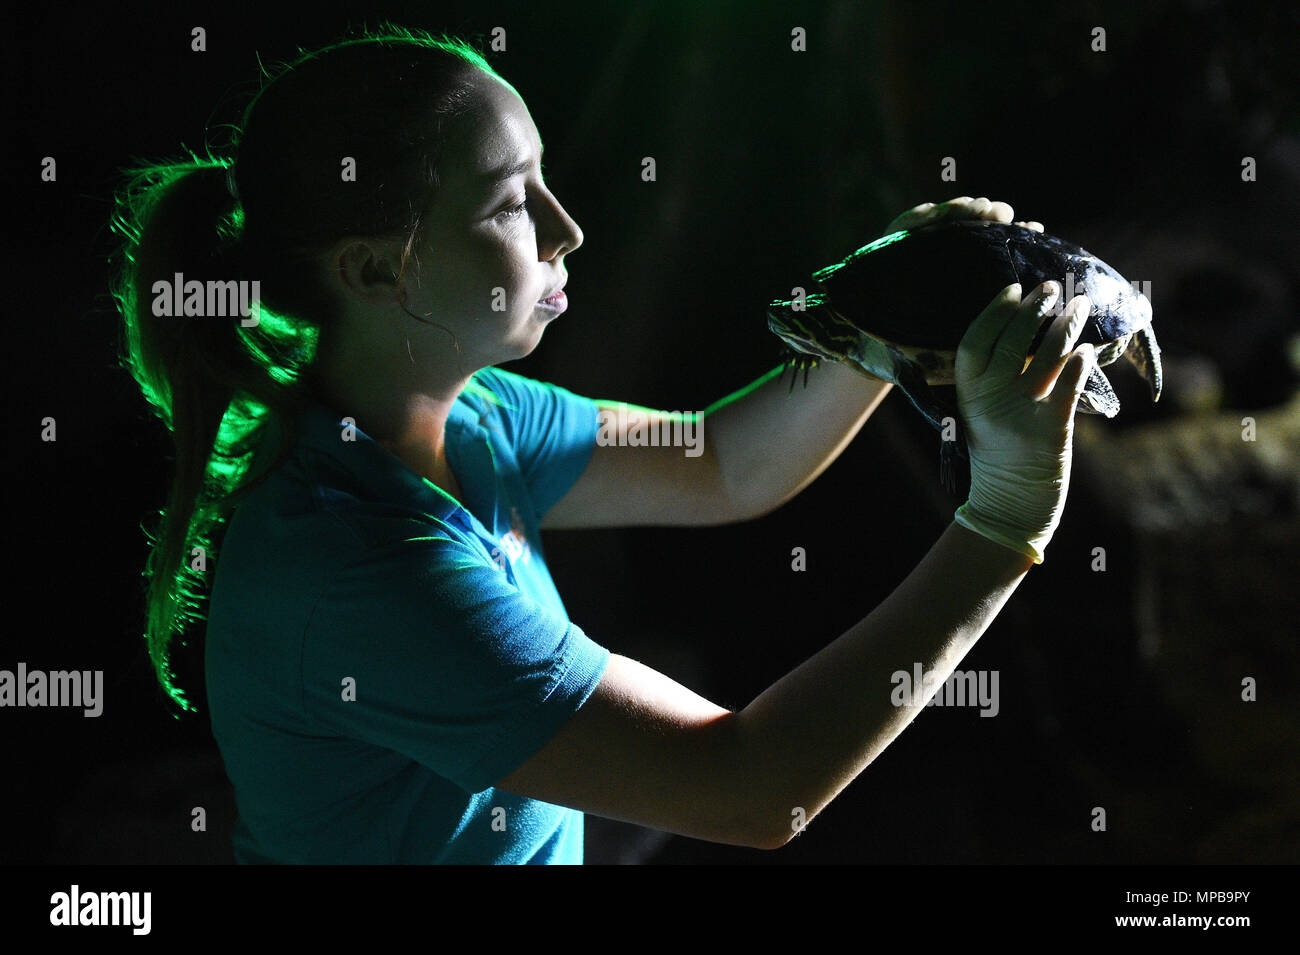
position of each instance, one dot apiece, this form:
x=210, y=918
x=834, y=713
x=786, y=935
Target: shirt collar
x=383, y=475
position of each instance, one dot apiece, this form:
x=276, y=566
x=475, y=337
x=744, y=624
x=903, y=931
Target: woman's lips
x=558, y=302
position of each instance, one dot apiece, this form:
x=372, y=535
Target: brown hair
x=384, y=101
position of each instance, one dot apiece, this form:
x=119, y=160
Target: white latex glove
x=1019, y=426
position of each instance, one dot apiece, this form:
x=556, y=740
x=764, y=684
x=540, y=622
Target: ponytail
x=222, y=384
x=206, y=376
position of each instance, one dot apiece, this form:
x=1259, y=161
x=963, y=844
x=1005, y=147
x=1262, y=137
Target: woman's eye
x=513, y=210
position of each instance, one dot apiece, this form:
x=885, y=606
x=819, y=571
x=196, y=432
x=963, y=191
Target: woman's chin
x=523, y=344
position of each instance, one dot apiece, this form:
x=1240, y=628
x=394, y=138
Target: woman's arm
x=647, y=750
x=771, y=443
x=757, y=448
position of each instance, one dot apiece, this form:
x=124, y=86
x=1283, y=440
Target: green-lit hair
x=266, y=212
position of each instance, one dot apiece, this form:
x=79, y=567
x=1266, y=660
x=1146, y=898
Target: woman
x=391, y=674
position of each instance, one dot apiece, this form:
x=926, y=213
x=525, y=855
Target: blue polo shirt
x=378, y=655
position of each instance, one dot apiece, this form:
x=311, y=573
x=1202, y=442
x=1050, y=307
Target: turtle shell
x=923, y=287
x=898, y=308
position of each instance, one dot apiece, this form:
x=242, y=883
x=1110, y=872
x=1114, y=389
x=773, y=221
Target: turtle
x=897, y=309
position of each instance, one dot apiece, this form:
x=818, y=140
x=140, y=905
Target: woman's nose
x=564, y=234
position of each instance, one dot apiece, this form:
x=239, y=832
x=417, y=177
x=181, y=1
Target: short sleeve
x=553, y=432
x=423, y=647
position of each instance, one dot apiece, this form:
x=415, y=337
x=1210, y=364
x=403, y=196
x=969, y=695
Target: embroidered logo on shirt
x=514, y=542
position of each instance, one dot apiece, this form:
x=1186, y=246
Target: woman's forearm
x=813, y=731
x=772, y=442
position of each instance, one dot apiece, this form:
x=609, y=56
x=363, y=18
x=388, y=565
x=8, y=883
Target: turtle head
x=810, y=326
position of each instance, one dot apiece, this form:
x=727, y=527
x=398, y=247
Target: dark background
x=1118, y=689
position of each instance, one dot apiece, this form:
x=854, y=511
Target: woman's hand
x=1019, y=421
x=963, y=207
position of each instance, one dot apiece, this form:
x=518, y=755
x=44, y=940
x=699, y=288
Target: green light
x=880, y=243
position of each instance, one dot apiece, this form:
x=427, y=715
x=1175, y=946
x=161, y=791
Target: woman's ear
x=374, y=272
x=364, y=270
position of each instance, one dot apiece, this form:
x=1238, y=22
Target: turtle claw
x=1144, y=354
x=790, y=359
x=794, y=363
x=1098, y=396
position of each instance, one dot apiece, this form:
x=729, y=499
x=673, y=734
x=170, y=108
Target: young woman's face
x=495, y=237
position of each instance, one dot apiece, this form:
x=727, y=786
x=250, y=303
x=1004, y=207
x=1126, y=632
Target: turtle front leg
x=1098, y=396
x=1144, y=354
x=1142, y=350
x=793, y=361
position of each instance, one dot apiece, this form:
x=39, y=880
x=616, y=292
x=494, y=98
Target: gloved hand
x=1019, y=426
